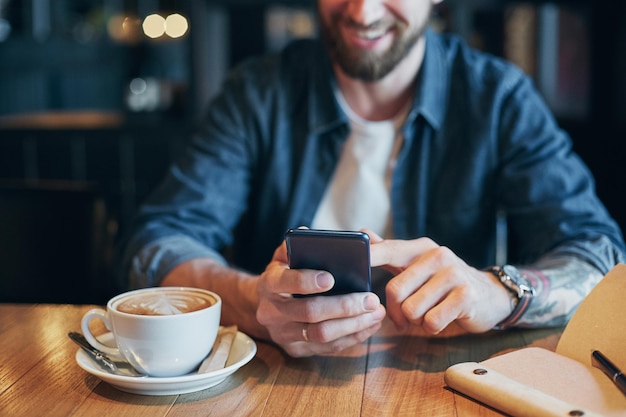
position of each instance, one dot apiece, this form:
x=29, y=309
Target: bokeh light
x=125, y=28
x=154, y=26
x=176, y=25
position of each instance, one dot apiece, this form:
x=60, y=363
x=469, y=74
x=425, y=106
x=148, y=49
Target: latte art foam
x=164, y=303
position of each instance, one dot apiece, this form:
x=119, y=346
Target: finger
x=394, y=312
x=450, y=295
x=465, y=304
x=430, y=307
x=323, y=308
x=330, y=331
x=347, y=341
x=374, y=237
x=317, y=310
x=280, y=280
x=399, y=253
x=303, y=349
x=269, y=281
x=415, y=290
x=402, y=293
x=443, y=314
x=280, y=254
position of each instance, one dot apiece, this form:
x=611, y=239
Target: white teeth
x=371, y=34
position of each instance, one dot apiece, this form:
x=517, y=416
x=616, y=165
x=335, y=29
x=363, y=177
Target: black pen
x=612, y=371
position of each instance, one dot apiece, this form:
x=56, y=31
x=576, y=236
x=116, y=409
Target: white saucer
x=242, y=351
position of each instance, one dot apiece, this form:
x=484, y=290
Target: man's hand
x=432, y=287
x=312, y=325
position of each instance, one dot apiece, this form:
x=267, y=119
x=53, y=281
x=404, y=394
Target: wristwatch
x=519, y=287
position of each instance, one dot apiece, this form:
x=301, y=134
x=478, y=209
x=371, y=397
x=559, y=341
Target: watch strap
x=520, y=308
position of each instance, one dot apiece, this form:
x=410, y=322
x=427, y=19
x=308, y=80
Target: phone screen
x=345, y=254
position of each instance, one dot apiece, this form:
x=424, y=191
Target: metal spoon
x=113, y=367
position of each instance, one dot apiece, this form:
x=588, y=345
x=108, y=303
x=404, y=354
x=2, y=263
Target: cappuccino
x=160, y=331
x=164, y=303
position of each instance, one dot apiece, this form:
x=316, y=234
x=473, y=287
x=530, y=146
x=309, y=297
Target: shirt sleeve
x=547, y=190
x=155, y=260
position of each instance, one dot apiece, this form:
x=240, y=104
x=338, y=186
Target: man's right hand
x=317, y=324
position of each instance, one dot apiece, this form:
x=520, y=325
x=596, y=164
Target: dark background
x=77, y=154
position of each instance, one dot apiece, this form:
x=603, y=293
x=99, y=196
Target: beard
x=369, y=66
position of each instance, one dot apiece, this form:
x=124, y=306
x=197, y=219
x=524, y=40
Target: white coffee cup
x=160, y=331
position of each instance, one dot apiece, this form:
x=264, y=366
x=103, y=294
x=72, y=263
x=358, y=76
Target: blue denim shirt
x=478, y=141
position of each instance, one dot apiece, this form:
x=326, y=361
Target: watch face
x=514, y=274
x=516, y=280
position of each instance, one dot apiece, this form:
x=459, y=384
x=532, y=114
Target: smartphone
x=345, y=254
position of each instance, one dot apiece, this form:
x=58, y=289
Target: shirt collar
x=325, y=111
x=431, y=95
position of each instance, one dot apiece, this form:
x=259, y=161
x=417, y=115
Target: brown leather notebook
x=538, y=382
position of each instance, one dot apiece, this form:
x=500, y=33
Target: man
x=397, y=130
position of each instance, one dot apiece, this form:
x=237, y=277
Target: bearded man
x=386, y=126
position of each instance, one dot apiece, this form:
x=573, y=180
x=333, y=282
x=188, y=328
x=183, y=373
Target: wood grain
x=389, y=375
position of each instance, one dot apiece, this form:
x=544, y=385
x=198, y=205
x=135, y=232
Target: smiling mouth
x=371, y=34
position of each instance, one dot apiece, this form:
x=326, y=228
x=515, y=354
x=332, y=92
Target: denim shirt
x=479, y=141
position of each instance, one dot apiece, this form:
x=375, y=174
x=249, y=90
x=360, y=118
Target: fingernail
x=324, y=280
x=370, y=302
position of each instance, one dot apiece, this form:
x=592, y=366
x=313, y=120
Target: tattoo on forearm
x=561, y=284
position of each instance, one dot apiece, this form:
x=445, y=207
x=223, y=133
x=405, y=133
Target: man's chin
x=368, y=69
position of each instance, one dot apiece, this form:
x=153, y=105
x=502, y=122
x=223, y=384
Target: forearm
x=560, y=283
x=238, y=290
x=181, y=261
x=566, y=275
x=147, y=265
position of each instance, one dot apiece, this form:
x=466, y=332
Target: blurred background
x=98, y=96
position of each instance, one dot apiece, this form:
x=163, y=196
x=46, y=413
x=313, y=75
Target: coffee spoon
x=113, y=367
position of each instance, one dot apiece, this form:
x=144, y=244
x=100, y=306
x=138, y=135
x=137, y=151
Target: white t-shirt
x=358, y=195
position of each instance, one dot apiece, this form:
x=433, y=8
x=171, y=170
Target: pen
x=612, y=371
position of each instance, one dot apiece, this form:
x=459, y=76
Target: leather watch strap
x=520, y=308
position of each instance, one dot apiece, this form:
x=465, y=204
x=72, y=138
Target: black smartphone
x=345, y=254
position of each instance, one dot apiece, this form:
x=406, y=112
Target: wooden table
x=390, y=375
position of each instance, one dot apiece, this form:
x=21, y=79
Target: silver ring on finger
x=305, y=332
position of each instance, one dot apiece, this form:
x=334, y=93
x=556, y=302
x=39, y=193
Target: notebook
x=538, y=382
